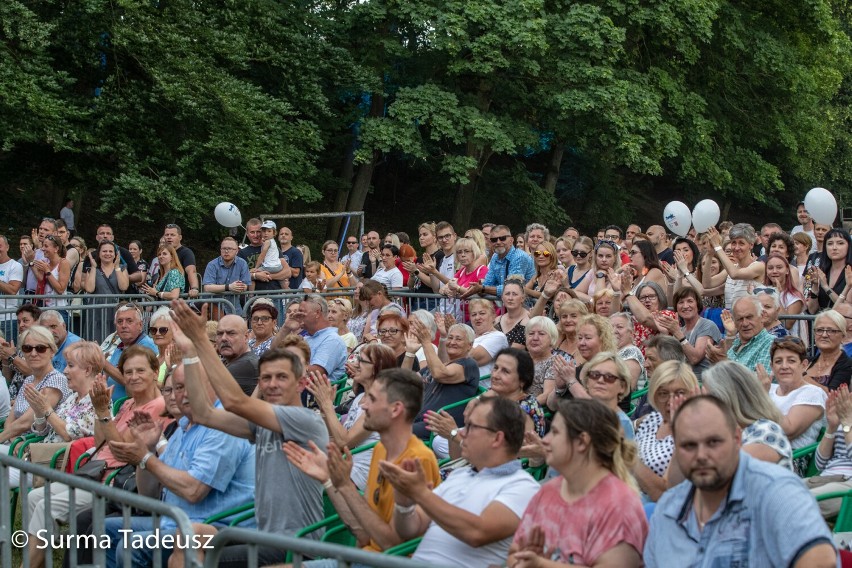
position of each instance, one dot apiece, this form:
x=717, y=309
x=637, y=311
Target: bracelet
x=227, y=287
x=829, y=436
x=191, y=360
x=571, y=384
x=327, y=485
x=717, y=248
x=404, y=510
x=684, y=340
x=545, y=296
x=841, y=297
x=39, y=421
x=162, y=442
x=411, y=355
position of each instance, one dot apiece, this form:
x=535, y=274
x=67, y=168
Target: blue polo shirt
x=328, y=351
x=145, y=341
x=219, y=460
x=768, y=519
x=516, y=261
x=58, y=360
x=217, y=272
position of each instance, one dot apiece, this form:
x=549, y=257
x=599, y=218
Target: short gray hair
x=546, y=324
x=319, y=301
x=755, y=302
x=464, y=328
x=538, y=226
x=834, y=316
x=51, y=315
x=161, y=313
x=743, y=231
x=426, y=318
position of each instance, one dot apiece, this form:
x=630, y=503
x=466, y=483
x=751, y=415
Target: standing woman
x=595, y=489
x=135, y=248
x=171, y=278
x=579, y=273
x=106, y=276
x=332, y=270
x=427, y=236
x=545, y=260
x=53, y=273
x=829, y=274
x=75, y=277
x=646, y=265
x=741, y=272
x=514, y=320
x=521, y=242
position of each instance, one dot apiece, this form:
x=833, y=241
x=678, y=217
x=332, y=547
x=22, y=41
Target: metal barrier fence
x=73, y=540
x=300, y=548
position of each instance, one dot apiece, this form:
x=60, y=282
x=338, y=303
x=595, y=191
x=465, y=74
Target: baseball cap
x=268, y=225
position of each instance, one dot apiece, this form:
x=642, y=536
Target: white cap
x=268, y=225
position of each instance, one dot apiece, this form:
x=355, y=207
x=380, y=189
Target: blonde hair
x=740, y=389
x=39, y=332
x=87, y=354
x=603, y=357
x=545, y=323
x=477, y=236
x=471, y=244
x=487, y=304
x=604, y=329
x=667, y=373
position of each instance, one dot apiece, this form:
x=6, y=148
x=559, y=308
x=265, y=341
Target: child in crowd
x=269, y=258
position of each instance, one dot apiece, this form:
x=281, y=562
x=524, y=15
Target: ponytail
x=623, y=460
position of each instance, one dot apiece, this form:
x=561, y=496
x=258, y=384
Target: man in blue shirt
x=128, y=329
x=227, y=273
x=505, y=262
x=733, y=510
x=200, y=470
x=328, y=352
x=52, y=320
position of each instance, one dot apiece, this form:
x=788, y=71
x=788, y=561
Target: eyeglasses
x=498, y=239
x=351, y=242
x=542, y=253
x=330, y=250
x=608, y=378
x=665, y=395
x=611, y=237
x=389, y=331
x=647, y=297
x=826, y=331
x=363, y=361
x=261, y=319
x=37, y=348
x=169, y=390
x=468, y=426
x=635, y=252
x=157, y=330
x=172, y=226
x=579, y=254
x=446, y=237
x=227, y=249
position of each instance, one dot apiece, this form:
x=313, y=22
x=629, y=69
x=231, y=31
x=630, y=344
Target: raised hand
x=763, y=376
x=680, y=261
x=564, y=372
x=408, y=479
x=441, y=423
x=670, y=271
x=441, y=322
x=101, y=396
x=339, y=464
x=37, y=400
x=714, y=237
x=319, y=386
x=667, y=322
x=189, y=322
x=312, y=462
x=728, y=322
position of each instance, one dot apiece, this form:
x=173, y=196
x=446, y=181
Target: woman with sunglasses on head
x=801, y=403
x=544, y=258
x=740, y=271
x=334, y=272
x=171, y=276
x=53, y=273
x=829, y=283
x=160, y=330
x=771, y=302
x=104, y=276
x=832, y=367
x=348, y=430
x=38, y=347
x=590, y=515
x=339, y=310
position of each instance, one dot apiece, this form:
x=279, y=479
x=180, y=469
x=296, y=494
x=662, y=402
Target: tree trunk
x=464, y=203
x=341, y=196
x=361, y=186
x=553, y=168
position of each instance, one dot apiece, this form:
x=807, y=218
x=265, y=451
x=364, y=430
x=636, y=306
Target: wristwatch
x=846, y=428
x=600, y=274
x=453, y=433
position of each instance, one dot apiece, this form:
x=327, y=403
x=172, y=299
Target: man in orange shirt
x=390, y=406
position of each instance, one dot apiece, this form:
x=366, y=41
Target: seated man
x=450, y=376
x=232, y=345
x=747, y=340
x=390, y=405
x=470, y=519
x=733, y=510
x=128, y=331
x=52, y=320
x=201, y=470
x=286, y=499
x=328, y=352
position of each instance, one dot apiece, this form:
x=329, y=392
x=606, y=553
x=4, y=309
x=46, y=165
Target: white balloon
x=677, y=218
x=228, y=215
x=821, y=205
x=705, y=215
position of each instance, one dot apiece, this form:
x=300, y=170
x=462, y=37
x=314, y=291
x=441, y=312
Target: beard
x=708, y=480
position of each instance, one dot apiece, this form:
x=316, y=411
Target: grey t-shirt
x=704, y=327
x=287, y=500
x=244, y=370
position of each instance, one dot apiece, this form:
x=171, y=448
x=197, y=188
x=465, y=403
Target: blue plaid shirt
x=516, y=261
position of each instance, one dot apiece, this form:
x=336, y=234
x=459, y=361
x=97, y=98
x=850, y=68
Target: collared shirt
x=58, y=360
x=145, y=341
x=217, y=272
x=768, y=519
x=328, y=351
x=223, y=462
x=354, y=259
x=754, y=352
x=516, y=261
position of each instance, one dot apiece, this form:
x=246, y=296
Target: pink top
x=155, y=408
x=465, y=279
x=580, y=532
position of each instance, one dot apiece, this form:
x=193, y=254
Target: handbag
x=42, y=454
x=93, y=469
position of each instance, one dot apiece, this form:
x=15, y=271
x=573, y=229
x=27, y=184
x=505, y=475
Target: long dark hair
x=824, y=261
x=649, y=255
x=696, y=256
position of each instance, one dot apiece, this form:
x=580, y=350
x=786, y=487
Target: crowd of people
x=617, y=398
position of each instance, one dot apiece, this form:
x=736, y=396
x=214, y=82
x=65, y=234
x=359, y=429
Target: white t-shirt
x=493, y=342
x=272, y=260
x=809, y=395
x=11, y=271
x=474, y=492
x=390, y=278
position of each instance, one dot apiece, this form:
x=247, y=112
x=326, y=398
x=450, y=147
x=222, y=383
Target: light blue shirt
x=217, y=273
x=223, y=462
x=768, y=519
x=328, y=351
x=145, y=341
x=58, y=360
x=516, y=261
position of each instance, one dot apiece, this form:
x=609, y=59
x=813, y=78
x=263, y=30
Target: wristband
x=829, y=436
x=327, y=485
x=191, y=360
x=227, y=287
x=143, y=463
x=160, y=444
x=412, y=355
x=684, y=340
x=404, y=510
x=717, y=248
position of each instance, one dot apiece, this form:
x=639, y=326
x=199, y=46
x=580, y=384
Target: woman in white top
x=488, y=341
x=349, y=429
x=801, y=403
x=388, y=274
x=739, y=273
x=339, y=311
x=52, y=273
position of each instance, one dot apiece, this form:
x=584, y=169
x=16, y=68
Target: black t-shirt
x=366, y=262
x=438, y=395
x=666, y=255
x=249, y=254
x=186, y=258
x=244, y=371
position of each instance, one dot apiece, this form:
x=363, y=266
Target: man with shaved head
x=232, y=345
x=660, y=239
x=371, y=258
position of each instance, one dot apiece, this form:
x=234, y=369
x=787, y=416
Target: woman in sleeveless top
x=53, y=273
